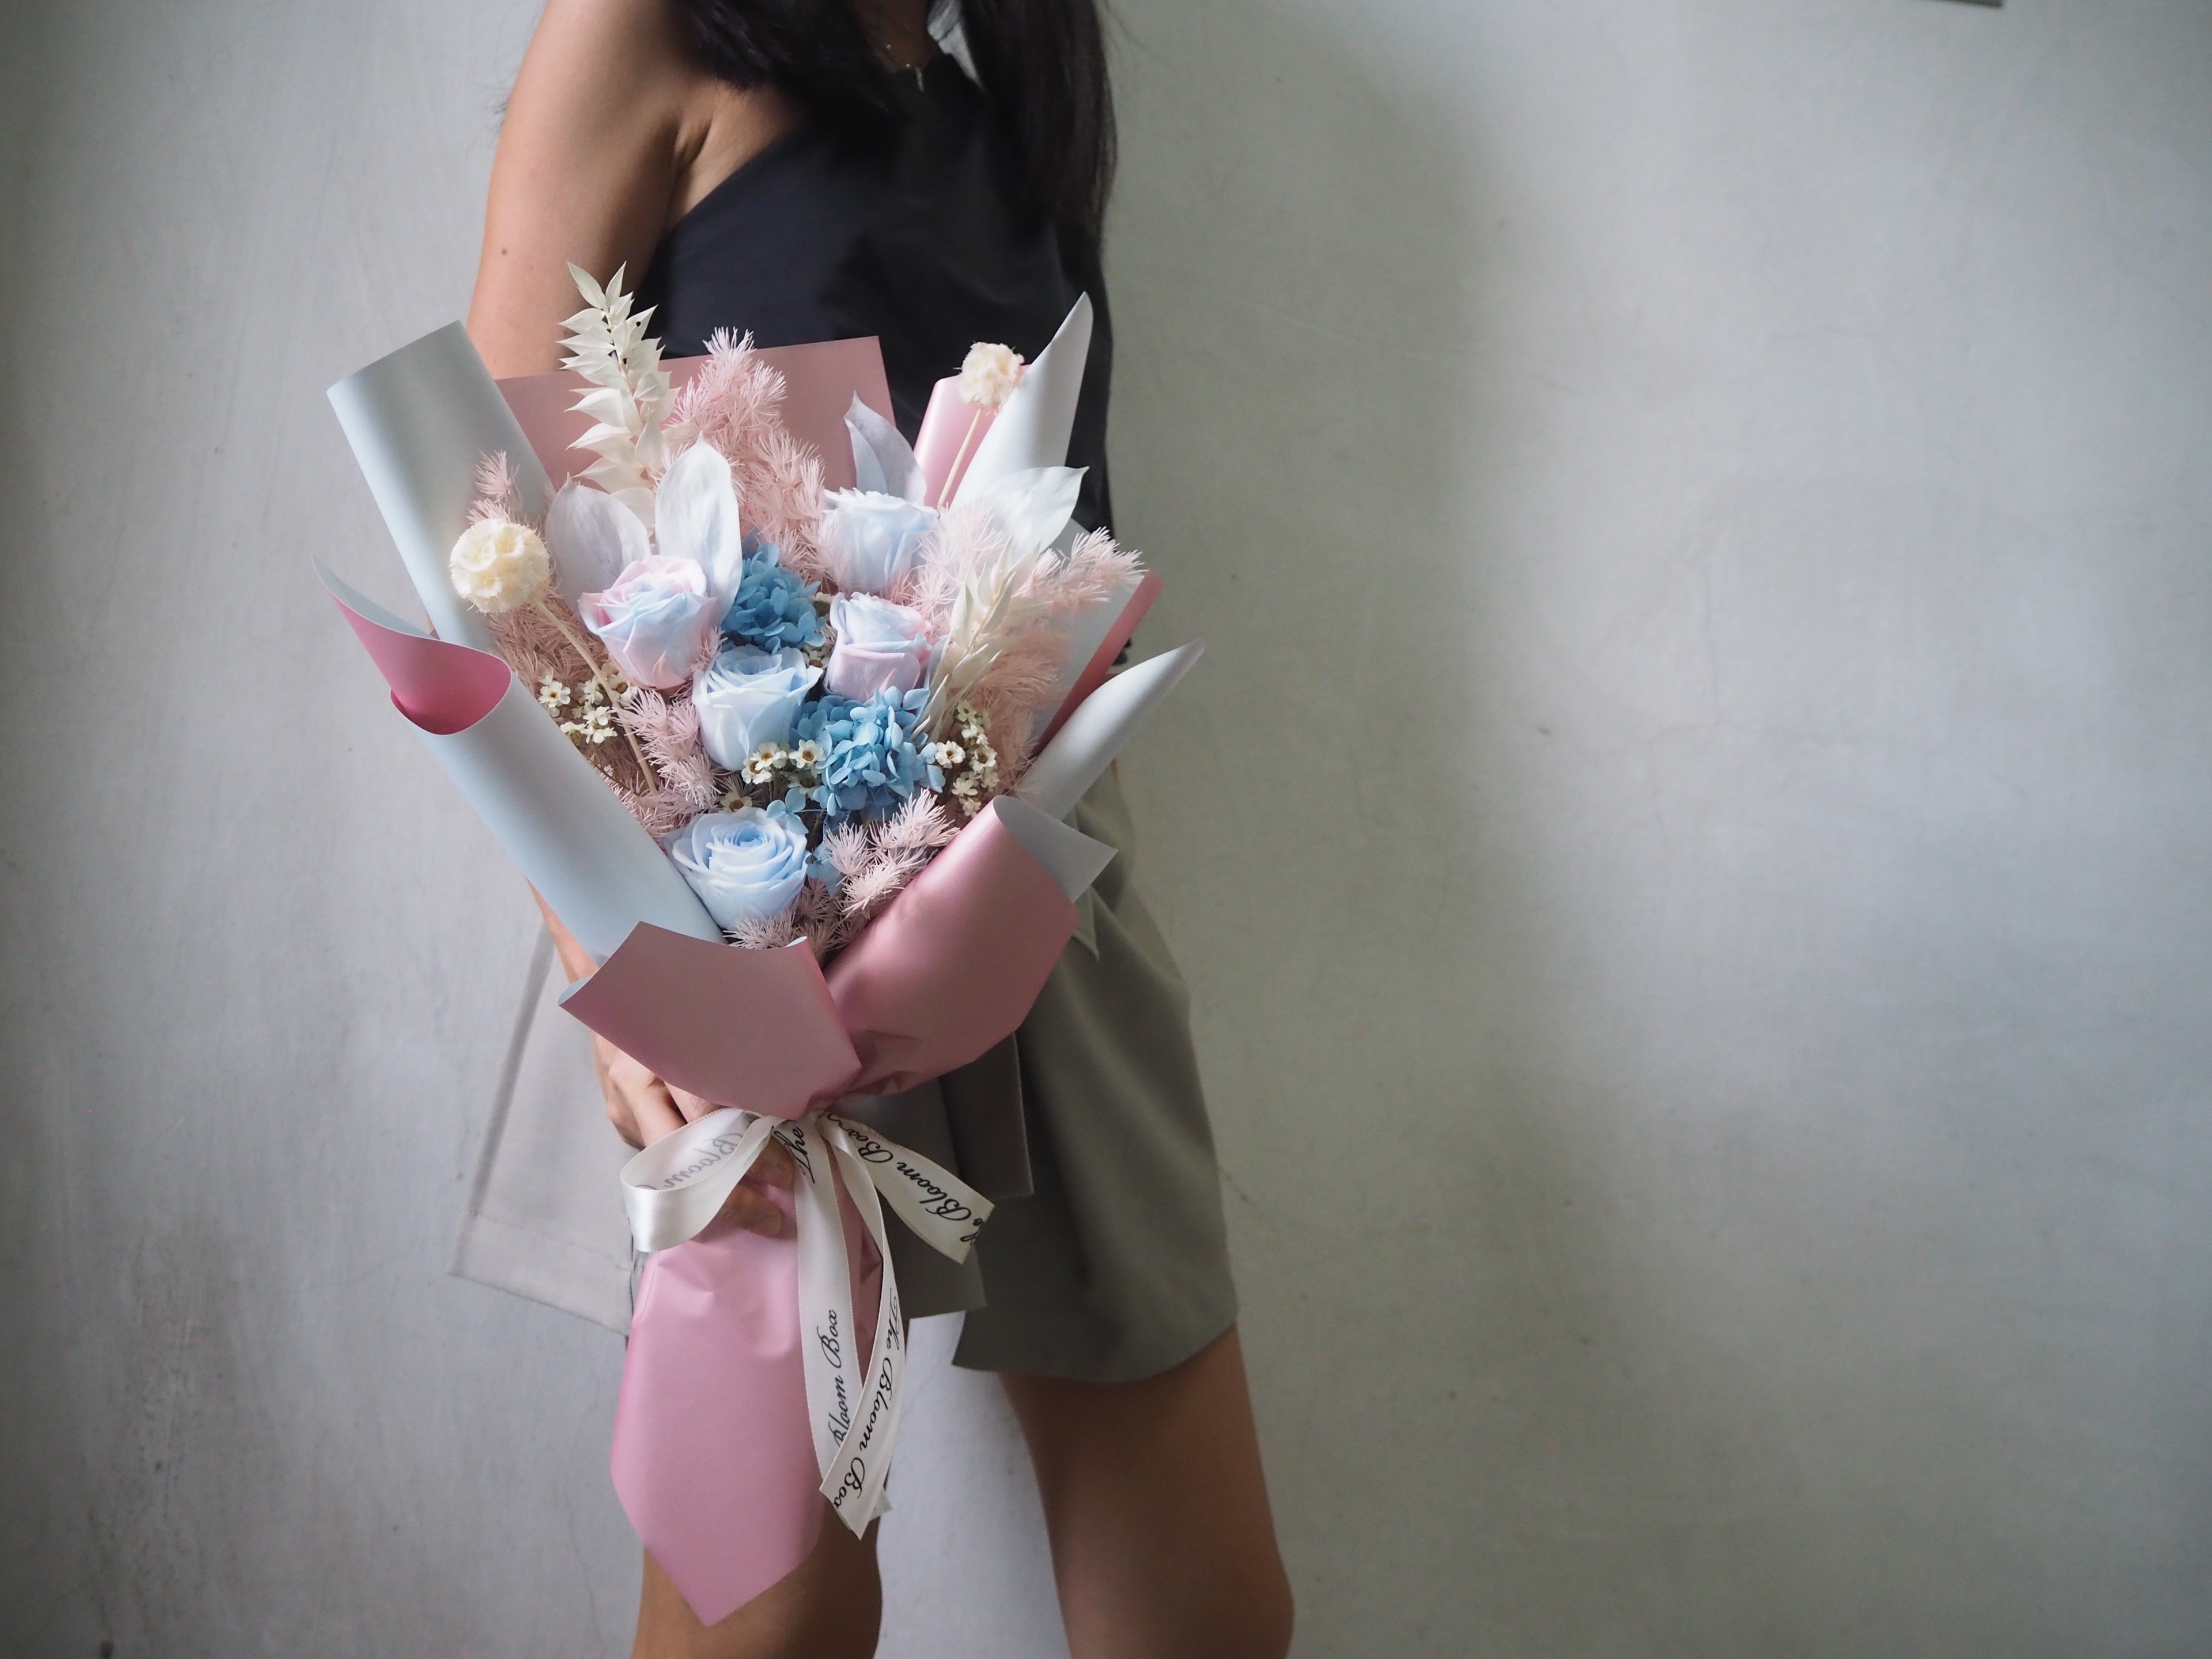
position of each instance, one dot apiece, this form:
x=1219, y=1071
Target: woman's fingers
x=773, y=1167
x=753, y=1211
x=657, y=1114
x=639, y=1105
x=620, y=1111
x=693, y=1107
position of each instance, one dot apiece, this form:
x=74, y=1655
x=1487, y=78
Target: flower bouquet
x=792, y=761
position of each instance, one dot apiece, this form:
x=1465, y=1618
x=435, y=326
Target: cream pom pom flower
x=499, y=565
x=989, y=375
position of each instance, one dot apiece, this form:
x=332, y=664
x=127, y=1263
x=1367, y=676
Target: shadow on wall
x=1306, y=446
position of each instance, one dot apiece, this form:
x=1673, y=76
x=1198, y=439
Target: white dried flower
x=948, y=753
x=552, y=694
x=499, y=565
x=807, y=754
x=990, y=373
x=597, y=727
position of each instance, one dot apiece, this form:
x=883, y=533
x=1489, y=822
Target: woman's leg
x=1161, y=1541
x=829, y=1607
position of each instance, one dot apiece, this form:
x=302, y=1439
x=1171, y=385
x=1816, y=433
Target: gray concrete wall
x=1689, y=845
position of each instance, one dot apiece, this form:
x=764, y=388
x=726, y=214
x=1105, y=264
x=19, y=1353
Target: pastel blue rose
x=743, y=866
x=657, y=620
x=880, y=647
x=870, y=540
x=747, y=697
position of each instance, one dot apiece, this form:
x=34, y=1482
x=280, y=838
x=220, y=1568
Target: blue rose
x=743, y=866
x=657, y=620
x=747, y=697
x=870, y=541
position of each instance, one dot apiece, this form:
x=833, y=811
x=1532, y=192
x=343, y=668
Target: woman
x=809, y=170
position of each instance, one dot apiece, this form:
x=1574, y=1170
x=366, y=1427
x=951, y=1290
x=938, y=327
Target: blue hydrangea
x=773, y=608
x=874, y=754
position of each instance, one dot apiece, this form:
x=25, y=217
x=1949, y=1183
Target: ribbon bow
x=678, y=1185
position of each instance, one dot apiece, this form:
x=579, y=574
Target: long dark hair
x=1042, y=63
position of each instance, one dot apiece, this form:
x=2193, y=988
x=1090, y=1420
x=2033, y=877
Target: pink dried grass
x=668, y=731
x=497, y=495
x=874, y=862
x=1014, y=691
x=734, y=401
x=766, y=933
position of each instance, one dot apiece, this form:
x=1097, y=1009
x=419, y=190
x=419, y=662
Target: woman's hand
x=642, y=1108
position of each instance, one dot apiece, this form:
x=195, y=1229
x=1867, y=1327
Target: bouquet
x=791, y=757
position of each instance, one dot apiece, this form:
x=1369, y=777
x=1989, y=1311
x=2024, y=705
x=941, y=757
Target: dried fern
x=629, y=400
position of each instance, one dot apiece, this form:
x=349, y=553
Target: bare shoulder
x=617, y=62
x=612, y=132
x=619, y=72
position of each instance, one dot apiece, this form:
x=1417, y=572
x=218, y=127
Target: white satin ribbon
x=678, y=1185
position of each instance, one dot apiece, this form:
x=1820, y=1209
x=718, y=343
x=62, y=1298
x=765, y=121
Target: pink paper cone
x=1102, y=661
x=949, y=425
x=442, y=688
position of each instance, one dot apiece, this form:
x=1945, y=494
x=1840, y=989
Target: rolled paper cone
x=421, y=422
x=570, y=835
x=1096, y=730
x=1071, y=858
x=951, y=428
x=1032, y=429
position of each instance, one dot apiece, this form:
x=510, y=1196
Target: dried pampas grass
x=733, y=401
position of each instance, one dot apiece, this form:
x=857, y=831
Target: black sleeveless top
x=919, y=241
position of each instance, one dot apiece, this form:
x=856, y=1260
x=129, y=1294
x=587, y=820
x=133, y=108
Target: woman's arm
x=611, y=135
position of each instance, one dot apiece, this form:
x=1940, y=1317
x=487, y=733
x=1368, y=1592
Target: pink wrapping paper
x=755, y=1028
x=711, y=1457
x=442, y=688
x=950, y=968
x=1102, y=661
